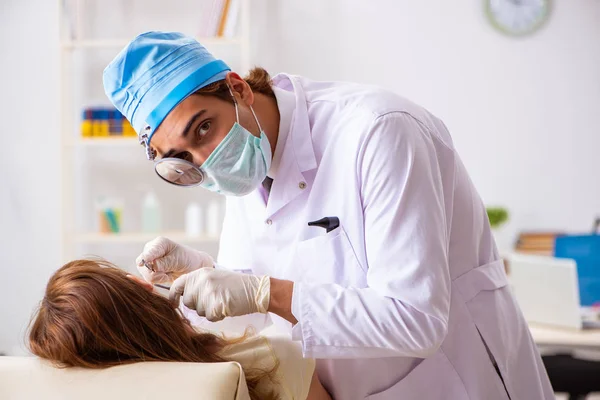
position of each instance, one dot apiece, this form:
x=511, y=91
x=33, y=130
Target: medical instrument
x=178, y=172
x=162, y=286
x=147, y=265
x=329, y=223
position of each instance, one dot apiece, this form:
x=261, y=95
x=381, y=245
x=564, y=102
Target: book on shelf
x=541, y=243
x=220, y=18
x=223, y=18
x=231, y=24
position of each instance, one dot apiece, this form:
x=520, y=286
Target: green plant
x=497, y=216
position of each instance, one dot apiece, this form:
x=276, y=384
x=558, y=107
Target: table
x=545, y=336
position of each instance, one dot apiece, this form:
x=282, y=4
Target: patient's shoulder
x=294, y=371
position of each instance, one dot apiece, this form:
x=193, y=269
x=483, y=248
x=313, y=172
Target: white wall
x=521, y=111
x=29, y=194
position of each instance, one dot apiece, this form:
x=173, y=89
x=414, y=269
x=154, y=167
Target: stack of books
x=220, y=18
x=541, y=243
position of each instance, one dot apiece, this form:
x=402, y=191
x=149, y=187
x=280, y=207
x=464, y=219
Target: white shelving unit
x=72, y=142
x=118, y=44
x=103, y=142
x=140, y=238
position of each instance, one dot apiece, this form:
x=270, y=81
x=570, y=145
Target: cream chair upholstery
x=29, y=378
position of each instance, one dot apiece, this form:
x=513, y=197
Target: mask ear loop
x=256, y=119
x=237, y=115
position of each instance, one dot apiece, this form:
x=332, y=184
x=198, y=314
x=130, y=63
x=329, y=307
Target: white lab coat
x=395, y=302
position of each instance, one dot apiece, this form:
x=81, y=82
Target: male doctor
x=352, y=209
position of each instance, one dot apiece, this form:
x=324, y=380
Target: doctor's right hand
x=170, y=260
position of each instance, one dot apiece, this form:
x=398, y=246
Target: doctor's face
x=196, y=126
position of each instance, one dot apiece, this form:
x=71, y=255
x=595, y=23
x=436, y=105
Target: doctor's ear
x=240, y=88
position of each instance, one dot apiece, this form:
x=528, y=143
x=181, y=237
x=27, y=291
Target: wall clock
x=517, y=17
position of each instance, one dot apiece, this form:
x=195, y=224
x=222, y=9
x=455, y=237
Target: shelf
x=139, y=237
x=105, y=142
x=74, y=45
x=120, y=43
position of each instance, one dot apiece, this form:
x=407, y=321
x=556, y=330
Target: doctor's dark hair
x=94, y=316
x=258, y=79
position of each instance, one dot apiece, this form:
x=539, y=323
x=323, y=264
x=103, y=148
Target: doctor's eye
x=202, y=129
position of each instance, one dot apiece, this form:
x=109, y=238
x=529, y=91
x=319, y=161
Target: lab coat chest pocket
x=328, y=258
x=434, y=379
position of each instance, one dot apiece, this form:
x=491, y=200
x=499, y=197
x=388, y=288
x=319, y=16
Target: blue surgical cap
x=154, y=73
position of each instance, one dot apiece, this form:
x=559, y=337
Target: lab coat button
x=268, y=222
x=302, y=185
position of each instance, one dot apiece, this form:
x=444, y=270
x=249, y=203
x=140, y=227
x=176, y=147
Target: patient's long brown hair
x=94, y=316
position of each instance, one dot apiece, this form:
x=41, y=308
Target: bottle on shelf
x=110, y=211
x=194, y=220
x=214, y=220
x=150, y=214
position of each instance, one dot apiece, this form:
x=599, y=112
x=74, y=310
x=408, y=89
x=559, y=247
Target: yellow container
x=128, y=129
x=86, y=128
x=86, y=123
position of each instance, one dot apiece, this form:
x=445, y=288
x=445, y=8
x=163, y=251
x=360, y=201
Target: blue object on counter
x=585, y=250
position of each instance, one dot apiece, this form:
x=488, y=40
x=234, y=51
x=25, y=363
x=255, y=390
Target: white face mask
x=240, y=162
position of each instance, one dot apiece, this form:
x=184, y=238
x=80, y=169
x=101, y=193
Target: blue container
x=585, y=250
x=96, y=125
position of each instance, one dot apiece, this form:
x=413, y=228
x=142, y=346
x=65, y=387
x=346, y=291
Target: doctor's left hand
x=217, y=293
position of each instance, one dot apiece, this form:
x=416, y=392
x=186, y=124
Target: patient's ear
x=147, y=285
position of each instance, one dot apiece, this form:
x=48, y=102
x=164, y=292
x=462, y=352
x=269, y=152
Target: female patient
x=95, y=315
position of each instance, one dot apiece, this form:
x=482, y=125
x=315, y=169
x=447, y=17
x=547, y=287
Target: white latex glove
x=170, y=260
x=217, y=293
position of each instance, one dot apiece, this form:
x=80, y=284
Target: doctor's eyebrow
x=185, y=132
x=188, y=126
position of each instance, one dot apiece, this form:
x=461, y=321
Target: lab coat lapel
x=298, y=154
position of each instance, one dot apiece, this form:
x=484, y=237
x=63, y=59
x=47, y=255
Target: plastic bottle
x=213, y=219
x=150, y=214
x=194, y=220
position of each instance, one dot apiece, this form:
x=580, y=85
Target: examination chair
x=29, y=378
